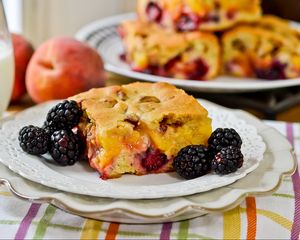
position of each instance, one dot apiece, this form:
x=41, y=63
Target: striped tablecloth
x=271, y=217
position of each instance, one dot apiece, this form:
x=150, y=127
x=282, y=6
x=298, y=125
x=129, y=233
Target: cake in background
x=184, y=55
x=190, y=15
x=267, y=49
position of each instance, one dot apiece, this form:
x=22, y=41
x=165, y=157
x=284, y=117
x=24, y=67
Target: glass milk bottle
x=6, y=62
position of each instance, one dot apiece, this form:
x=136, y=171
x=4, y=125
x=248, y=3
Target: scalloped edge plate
x=82, y=179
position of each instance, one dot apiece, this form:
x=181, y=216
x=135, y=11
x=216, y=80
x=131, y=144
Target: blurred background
x=40, y=19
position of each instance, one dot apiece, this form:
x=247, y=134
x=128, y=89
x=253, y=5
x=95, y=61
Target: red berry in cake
x=228, y=160
x=274, y=72
x=223, y=137
x=188, y=22
x=65, y=115
x=193, y=161
x=153, y=160
x=65, y=147
x=154, y=12
x=33, y=140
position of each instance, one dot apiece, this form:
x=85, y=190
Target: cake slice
x=191, y=15
x=153, y=50
x=267, y=49
x=140, y=127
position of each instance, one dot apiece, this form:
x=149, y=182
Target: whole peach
x=23, y=51
x=62, y=67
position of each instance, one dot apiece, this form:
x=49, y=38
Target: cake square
x=140, y=127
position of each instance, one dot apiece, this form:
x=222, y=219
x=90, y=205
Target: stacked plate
x=151, y=198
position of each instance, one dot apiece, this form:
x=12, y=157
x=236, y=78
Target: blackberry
x=228, y=160
x=193, y=161
x=33, y=140
x=223, y=137
x=65, y=147
x=49, y=128
x=64, y=115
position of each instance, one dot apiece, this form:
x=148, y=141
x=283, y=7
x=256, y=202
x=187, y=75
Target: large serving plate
x=82, y=179
x=103, y=36
x=278, y=161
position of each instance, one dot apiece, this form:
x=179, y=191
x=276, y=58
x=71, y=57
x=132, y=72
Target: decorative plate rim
x=62, y=199
x=219, y=84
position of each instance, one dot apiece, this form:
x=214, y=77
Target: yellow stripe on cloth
x=232, y=224
x=7, y=194
x=282, y=221
x=91, y=229
x=276, y=218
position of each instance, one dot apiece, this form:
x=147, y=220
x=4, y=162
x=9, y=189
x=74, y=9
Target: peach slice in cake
x=140, y=127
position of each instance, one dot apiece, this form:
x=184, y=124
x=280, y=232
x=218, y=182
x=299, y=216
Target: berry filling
x=231, y=13
x=274, y=72
x=154, y=12
x=197, y=70
x=153, y=160
x=194, y=70
x=188, y=22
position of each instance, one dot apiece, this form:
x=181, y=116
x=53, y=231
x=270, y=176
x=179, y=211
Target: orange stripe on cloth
x=91, y=229
x=232, y=224
x=112, y=231
x=251, y=217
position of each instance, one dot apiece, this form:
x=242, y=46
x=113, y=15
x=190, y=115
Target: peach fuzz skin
x=23, y=51
x=62, y=67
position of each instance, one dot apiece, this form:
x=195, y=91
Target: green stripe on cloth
x=183, y=229
x=44, y=222
x=283, y=195
x=62, y=226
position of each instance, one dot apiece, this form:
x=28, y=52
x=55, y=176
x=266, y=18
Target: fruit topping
x=228, y=160
x=65, y=147
x=154, y=12
x=193, y=161
x=153, y=160
x=275, y=71
x=188, y=22
x=198, y=69
x=223, y=137
x=65, y=115
x=33, y=140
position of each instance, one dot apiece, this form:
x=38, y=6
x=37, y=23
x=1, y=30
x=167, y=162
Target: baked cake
x=190, y=15
x=140, y=127
x=151, y=49
x=268, y=49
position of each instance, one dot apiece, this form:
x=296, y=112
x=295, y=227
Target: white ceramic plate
x=262, y=181
x=81, y=179
x=102, y=35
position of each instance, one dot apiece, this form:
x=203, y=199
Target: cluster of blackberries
x=56, y=136
x=222, y=155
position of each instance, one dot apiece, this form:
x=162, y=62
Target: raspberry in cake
x=139, y=128
x=151, y=49
x=191, y=15
x=268, y=49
